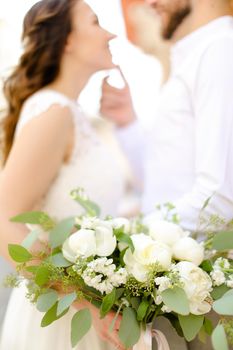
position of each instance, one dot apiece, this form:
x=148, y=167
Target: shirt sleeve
x=213, y=110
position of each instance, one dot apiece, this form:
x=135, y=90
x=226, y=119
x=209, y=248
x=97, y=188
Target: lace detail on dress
x=90, y=166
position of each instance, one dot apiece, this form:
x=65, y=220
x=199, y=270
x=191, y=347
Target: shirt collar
x=185, y=46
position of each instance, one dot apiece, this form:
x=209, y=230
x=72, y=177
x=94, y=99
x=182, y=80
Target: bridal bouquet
x=140, y=269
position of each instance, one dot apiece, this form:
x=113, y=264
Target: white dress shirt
x=189, y=151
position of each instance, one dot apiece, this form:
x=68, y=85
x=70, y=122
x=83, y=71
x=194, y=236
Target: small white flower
x=218, y=277
x=158, y=299
x=166, y=309
x=102, y=275
x=163, y=283
x=221, y=263
x=230, y=281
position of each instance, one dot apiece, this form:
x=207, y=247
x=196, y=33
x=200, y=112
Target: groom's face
x=172, y=13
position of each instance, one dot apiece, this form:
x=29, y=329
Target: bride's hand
x=102, y=325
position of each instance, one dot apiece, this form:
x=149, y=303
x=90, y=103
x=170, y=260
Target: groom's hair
x=46, y=28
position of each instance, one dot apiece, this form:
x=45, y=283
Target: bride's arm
x=35, y=159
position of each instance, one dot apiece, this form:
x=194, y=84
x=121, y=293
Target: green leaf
x=219, y=291
x=224, y=306
x=51, y=316
x=80, y=325
x=219, y=339
x=122, y=237
x=61, y=232
x=108, y=302
x=65, y=303
x=208, y=326
x=207, y=265
x=119, y=292
x=91, y=208
x=19, y=253
x=32, y=269
x=42, y=276
x=46, y=301
x=129, y=332
x=135, y=302
x=143, y=307
x=206, y=203
x=191, y=325
x=176, y=300
x=35, y=218
x=58, y=260
x=30, y=239
x=223, y=241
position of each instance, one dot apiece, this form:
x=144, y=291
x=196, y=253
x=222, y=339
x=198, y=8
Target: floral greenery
x=56, y=277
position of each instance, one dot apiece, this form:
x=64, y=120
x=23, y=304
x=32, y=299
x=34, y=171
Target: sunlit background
x=142, y=72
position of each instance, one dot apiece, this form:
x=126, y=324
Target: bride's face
x=88, y=43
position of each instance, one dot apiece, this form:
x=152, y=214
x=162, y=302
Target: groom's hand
x=116, y=104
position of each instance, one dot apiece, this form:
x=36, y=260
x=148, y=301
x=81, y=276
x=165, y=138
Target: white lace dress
x=91, y=167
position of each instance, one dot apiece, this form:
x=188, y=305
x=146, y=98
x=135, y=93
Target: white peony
x=197, y=286
x=189, y=250
x=87, y=242
x=80, y=244
x=166, y=232
x=147, y=252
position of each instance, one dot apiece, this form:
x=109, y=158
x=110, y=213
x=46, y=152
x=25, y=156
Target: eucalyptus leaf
x=46, y=300
x=42, y=276
x=19, y=253
x=107, y=303
x=208, y=326
x=58, y=260
x=35, y=218
x=191, y=325
x=61, y=232
x=80, y=325
x=219, y=339
x=176, y=299
x=51, y=315
x=219, y=291
x=223, y=241
x=90, y=207
x=224, y=306
x=65, y=303
x=142, y=309
x=129, y=332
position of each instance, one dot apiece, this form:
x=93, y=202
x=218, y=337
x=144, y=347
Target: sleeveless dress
x=91, y=167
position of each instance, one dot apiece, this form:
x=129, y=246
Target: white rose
x=197, y=286
x=80, y=244
x=147, y=252
x=166, y=232
x=105, y=240
x=121, y=222
x=188, y=249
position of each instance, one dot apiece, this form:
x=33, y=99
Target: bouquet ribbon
x=145, y=341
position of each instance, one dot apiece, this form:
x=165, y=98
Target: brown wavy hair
x=45, y=30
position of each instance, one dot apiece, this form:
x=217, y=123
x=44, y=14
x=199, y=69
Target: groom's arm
x=213, y=104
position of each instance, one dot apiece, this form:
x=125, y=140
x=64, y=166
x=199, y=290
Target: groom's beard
x=174, y=22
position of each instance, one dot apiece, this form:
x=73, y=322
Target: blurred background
x=143, y=72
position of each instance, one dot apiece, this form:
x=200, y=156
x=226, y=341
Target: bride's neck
x=71, y=82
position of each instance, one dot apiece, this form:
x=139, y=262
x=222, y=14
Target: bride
x=50, y=148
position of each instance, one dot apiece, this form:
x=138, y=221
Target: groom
x=187, y=156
